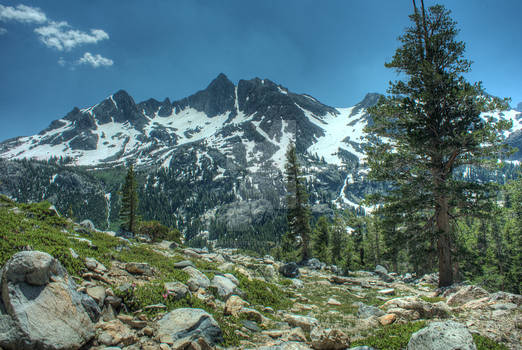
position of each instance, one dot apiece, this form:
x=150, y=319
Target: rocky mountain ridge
x=218, y=153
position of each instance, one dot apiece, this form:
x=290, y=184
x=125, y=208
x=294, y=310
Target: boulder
x=326, y=339
x=448, y=335
x=38, y=298
x=95, y=266
x=177, y=289
x=387, y=319
x=139, y=268
x=98, y=294
x=197, y=279
x=366, y=311
x=224, y=286
x=333, y=302
x=232, y=278
x=383, y=273
x=87, y=224
x=465, y=294
x=315, y=264
x=115, y=333
x=381, y=269
x=189, y=324
x=290, y=270
x=415, y=308
x=184, y=263
x=305, y=322
x=233, y=305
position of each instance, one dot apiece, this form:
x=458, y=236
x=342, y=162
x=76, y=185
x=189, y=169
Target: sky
x=55, y=55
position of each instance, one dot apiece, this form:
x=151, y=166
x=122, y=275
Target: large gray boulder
x=188, y=324
x=40, y=307
x=224, y=286
x=197, y=279
x=448, y=335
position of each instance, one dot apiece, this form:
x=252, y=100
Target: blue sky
x=59, y=54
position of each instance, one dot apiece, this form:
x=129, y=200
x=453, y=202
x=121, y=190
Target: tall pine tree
x=298, y=212
x=129, y=201
x=429, y=125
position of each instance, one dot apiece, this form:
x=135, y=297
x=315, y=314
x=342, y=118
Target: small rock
x=98, y=294
x=74, y=255
x=296, y=334
x=325, y=339
x=184, y=263
x=333, y=302
x=297, y=283
x=387, y=319
x=115, y=332
x=251, y=314
x=388, y=291
x=233, y=305
x=305, y=322
x=250, y=325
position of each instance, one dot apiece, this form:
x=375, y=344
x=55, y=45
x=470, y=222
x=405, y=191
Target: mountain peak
x=519, y=107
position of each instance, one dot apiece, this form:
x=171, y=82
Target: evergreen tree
x=429, y=126
x=320, y=238
x=339, y=252
x=298, y=212
x=129, y=201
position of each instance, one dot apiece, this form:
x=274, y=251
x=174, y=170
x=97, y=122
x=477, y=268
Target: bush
x=158, y=231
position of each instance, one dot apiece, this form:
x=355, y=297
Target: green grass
x=258, y=292
x=484, y=343
x=432, y=299
x=392, y=337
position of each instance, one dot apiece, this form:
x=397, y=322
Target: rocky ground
x=172, y=297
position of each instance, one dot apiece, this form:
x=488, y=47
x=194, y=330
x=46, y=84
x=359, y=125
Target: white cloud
x=61, y=36
x=3, y=31
x=22, y=13
x=95, y=60
x=62, y=62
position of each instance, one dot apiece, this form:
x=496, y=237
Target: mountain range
x=223, y=147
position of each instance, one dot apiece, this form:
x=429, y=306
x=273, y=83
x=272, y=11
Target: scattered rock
x=305, y=322
x=38, y=298
x=197, y=279
x=184, y=263
x=98, y=294
x=379, y=269
x=297, y=283
x=413, y=307
x=87, y=224
x=233, y=305
x=333, y=302
x=366, y=311
x=290, y=345
x=290, y=270
x=250, y=325
x=139, y=268
x=315, y=264
x=296, y=334
x=250, y=314
x=465, y=294
x=116, y=333
x=325, y=339
x=224, y=286
x=177, y=289
x=448, y=335
x=188, y=324
x=388, y=291
x=387, y=319
x=232, y=278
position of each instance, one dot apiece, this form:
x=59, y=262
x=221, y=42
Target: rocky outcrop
x=40, y=307
x=448, y=335
x=181, y=325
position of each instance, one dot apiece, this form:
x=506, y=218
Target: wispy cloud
x=94, y=60
x=22, y=13
x=61, y=36
x=3, y=31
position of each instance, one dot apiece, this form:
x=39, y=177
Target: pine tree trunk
x=444, y=243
